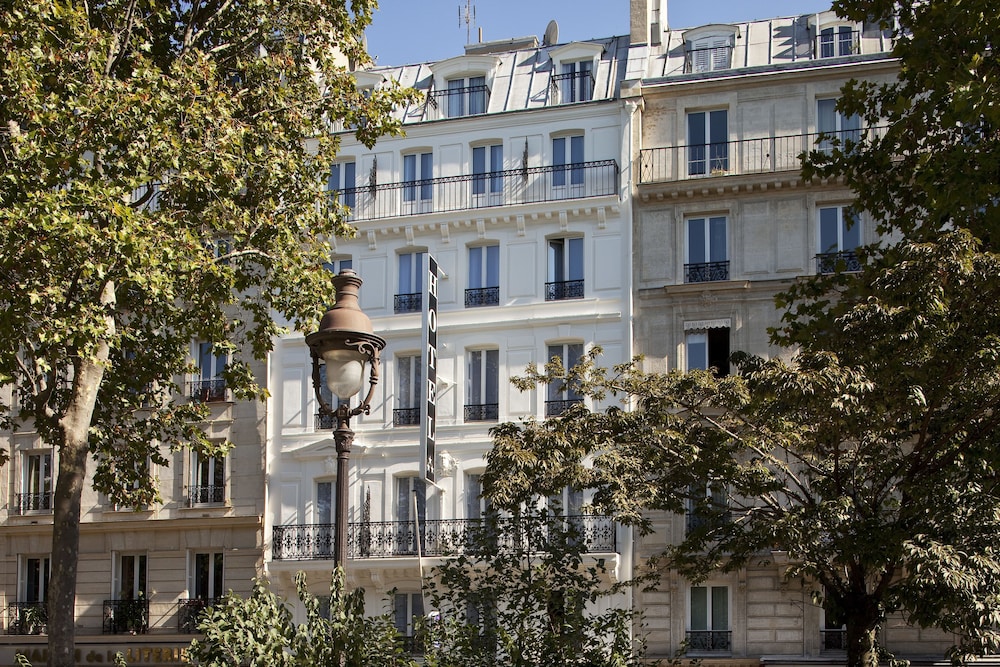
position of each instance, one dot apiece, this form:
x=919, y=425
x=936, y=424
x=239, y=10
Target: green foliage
x=523, y=592
x=259, y=631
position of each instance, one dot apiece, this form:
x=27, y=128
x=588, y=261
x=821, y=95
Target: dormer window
x=576, y=81
x=838, y=40
x=461, y=87
x=709, y=49
x=466, y=97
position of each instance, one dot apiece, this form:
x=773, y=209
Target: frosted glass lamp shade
x=345, y=372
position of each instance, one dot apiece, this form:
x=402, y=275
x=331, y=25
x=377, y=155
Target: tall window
x=565, y=269
x=408, y=374
x=710, y=54
x=409, y=296
x=418, y=170
x=708, y=629
x=576, y=81
x=324, y=519
x=835, y=126
x=707, y=506
x=29, y=614
x=128, y=610
x=35, y=579
x=207, y=579
x=130, y=580
x=411, y=499
x=559, y=396
x=210, y=387
x=706, y=250
x=36, y=483
x=467, y=97
x=487, y=175
x=208, y=479
x=484, y=276
x=342, y=180
x=833, y=628
x=836, y=41
x=481, y=380
x=406, y=609
x=707, y=349
x=567, y=151
x=839, y=239
x=708, y=142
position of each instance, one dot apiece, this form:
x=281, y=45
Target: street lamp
x=345, y=342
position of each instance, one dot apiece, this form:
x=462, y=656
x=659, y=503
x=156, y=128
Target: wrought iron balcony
x=206, y=495
x=405, y=416
x=189, y=613
x=126, y=617
x=760, y=155
x=837, y=262
x=833, y=640
x=26, y=503
x=476, y=191
x=458, y=102
x=556, y=408
x=207, y=391
x=438, y=537
x=325, y=421
x=710, y=640
x=27, y=618
x=705, y=272
x=565, y=289
x=482, y=296
x=484, y=412
x=408, y=303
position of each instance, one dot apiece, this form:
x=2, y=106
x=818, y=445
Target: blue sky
x=411, y=31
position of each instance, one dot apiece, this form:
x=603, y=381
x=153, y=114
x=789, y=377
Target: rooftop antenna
x=467, y=15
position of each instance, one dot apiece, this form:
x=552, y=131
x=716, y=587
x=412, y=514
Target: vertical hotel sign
x=428, y=411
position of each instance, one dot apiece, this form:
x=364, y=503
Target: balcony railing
x=502, y=188
x=405, y=416
x=556, y=408
x=189, y=613
x=207, y=391
x=27, y=618
x=439, y=537
x=709, y=640
x=458, y=102
x=126, y=617
x=325, y=421
x=206, y=495
x=26, y=503
x=696, y=520
x=760, y=155
x=407, y=303
x=838, y=262
x=564, y=289
x=833, y=640
x=485, y=412
x=482, y=296
x=706, y=272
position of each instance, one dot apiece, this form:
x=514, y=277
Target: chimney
x=648, y=21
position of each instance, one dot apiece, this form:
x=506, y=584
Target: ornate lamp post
x=345, y=342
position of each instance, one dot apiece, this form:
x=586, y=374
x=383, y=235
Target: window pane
x=217, y=590
x=426, y=173
x=852, y=233
x=477, y=94
x=558, y=160
x=720, y=608
x=324, y=502
x=476, y=267
x=575, y=258
x=717, y=239
x=492, y=376
x=697, y=351
x=719, y=130
x=699, y=608
x=492, y=266
x=829, y=223
x=475, y=378
x=478, y=170
x=456, y=94
x=697, y=244
x=826, y=116
x=496, y=166
x=555, y=264
x=576, y=156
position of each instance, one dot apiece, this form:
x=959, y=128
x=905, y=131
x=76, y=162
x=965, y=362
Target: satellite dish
x=551, y=34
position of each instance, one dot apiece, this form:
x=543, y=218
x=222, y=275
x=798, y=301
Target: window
x=710, y=54
x=29, y=614
x=417, y=185
x=210, y=387
x=411, y=493
x=467, y=97
x=409, y=297
x=323, y=518
x=408, y=373
x=208, y=479
x=342, y=181
x=708, y=142
x=36, y=483
x=326, y=421
x=706, y=250
x=481, y=380
x=708, y=349
x=208, y=576
x=708, y=629
x=35, y=579
x=839, y=238
x=484, y=276
x=835, y=127
x=567, y=151
x=406, y=609
x=128, y=611
x=576, y=81
x=565, y=269
x=833, y=629
x=836, y=41
x=335, y=266
x=560, y=397
x=707, y=506
x=487, y=177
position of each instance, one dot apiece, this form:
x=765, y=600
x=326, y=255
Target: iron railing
x=705, y=272
x=458, y=193
x=325, y=421
x=484, y=412
x=564, y=289
x=556, y=408
x=459, y=102
x=482, y=296
x=405, y=416
x=759, y=155
x=126, y=617
x=407, y=303
x=27, y=618
x=696, y=520
x=189, y=613
x=574, y=86
x=207, y=391
x=833, y=640
x=438, y=537
x=834, y=262
x=204, y=495
x=32, y=502
x=709, y=640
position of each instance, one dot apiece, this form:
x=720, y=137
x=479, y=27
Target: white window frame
x=459, y=97
x=715, y=245
x=482, y=379
x=484, y=266
x=845, y=128
x=209, y=385
x=35, y=481
x=570, y=354
x=577, y=84
x=707, y=153
x=44, y=576
x=487, y=175
x=343, y=178
x=566, y=262
x=839, y=211
x=709, y=599
x=409, y=384
x=208, y=494
x=700, y=336
x=418, y=184
x=569, y=157
x=836, y=44
x=711, y=53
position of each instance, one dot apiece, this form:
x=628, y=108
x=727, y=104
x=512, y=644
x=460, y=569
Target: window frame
x=409, y=389
x=482, y=384
x=215, y=575
x=828, y=258
x=569, y=155
x=576, y=81
x=214, y=469
x=710, y=617
x=37, y=484
x=418, y=181
x=558, y=398
x=706, y=335
x=712, y=264
x=566, y=266
x=343, y=178
x=487, y=174
x=707, y=153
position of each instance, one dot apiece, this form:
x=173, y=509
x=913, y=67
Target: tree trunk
x=861, y=644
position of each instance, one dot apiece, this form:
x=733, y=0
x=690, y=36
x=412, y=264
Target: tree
x=161, y=182
x=259, y=631
x=523, y=592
